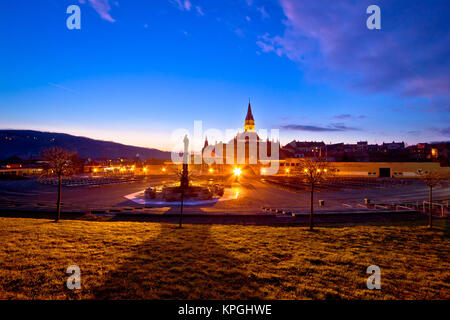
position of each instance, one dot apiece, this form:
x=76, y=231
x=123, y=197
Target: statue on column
x=184, y=180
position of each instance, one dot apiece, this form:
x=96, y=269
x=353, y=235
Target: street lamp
x=237, y=172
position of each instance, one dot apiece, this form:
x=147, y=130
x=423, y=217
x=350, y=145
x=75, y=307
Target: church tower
x=249, y=121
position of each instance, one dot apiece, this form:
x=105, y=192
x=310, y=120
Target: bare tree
x=313, y=172
x=59, y=162
x=431, y=179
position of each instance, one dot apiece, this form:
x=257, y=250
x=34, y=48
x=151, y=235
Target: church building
x=244, y=149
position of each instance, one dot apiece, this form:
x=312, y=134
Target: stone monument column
x=184, y=181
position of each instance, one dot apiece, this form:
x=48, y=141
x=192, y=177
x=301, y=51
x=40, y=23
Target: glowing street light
x=163, y=169
x=237, y=172
x=434, y=152
x=287, y=170
x=211, y=170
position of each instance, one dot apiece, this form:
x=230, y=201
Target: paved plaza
x=248, y=196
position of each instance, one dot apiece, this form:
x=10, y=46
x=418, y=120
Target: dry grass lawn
x=127, y=260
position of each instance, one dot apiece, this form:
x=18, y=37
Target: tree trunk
x=430, y=200
x=58, y=202
x=311, y=224
x=181, y=210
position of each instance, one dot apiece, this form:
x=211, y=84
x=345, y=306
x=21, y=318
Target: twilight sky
x=138, y=70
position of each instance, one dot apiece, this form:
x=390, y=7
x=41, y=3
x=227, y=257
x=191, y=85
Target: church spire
x=249, y=121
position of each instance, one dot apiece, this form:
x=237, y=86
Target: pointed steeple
x=249, y=112
x=249, y=121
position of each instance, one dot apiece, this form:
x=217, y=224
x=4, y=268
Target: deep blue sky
x=137, y=70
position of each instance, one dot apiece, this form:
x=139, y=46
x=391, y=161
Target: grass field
x=123, y=260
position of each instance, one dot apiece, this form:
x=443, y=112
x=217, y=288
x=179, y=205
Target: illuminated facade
x=246, y=148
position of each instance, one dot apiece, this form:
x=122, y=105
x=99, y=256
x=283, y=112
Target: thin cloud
x=343, y=116
x=199, y=10
x=263, y=12
x=336, y=127
x=348, y=116
x=183, y=5
x=414, y=132
x=239, y=32
x=61, y=87
x=328, y=39
x=445, y=132
x=102, y=7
